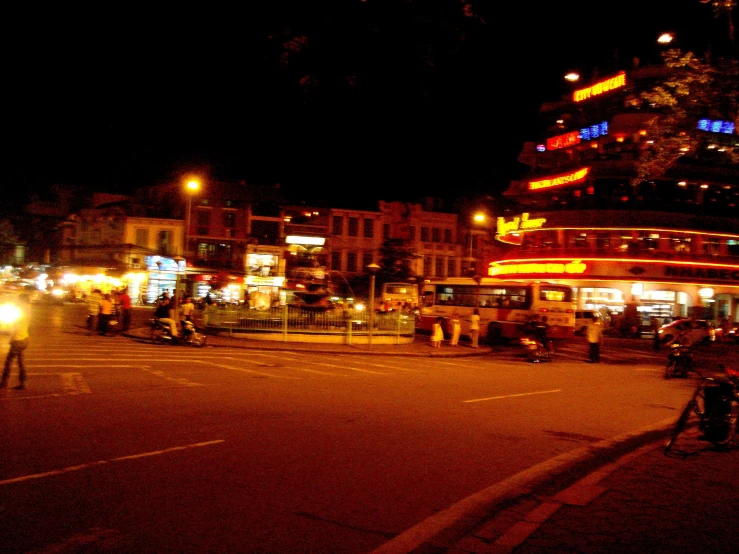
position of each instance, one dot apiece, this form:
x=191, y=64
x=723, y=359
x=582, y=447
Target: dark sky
x=393, y=100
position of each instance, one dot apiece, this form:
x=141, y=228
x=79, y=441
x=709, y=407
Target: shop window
x=681, y=245
x=711, y=246
x=649, y=241
x=603, y=241
x=580, y=240
x=229, y=220
x=732, y=247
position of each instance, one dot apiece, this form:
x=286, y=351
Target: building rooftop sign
x=560, y=180
x=599, y=88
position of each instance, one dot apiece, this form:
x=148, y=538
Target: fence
x=292, y=323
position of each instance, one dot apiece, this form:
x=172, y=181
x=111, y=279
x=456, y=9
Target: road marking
x=244, y=370
x=102, y=462
x=511, y=395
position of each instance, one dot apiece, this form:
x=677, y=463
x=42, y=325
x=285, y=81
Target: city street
x=119, y=445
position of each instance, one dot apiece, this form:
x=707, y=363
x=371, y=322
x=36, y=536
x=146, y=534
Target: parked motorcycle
x=189, y=334
x=679, y=361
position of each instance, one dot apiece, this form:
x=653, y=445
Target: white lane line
x=511, y=396
x=243, y=369
x=101, y=462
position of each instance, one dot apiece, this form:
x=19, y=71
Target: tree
x=396, y=260
x=695, y=89
x=8, y=241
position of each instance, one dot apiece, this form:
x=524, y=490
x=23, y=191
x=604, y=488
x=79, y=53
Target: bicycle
x=715, y=402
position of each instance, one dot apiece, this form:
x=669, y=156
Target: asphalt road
x=121, y=446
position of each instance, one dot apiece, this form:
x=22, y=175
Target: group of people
x=437, y=330
x=102, y=308
x=165, y=313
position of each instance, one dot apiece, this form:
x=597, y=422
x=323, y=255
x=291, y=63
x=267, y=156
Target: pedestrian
x=456, y=328
x=125, y=306
x=18, y=343
x=437, y=333
x=475, y=328
x=186, y=309
x=655, y=325
x=107, y=311
x=595, y=339
x=93, y=308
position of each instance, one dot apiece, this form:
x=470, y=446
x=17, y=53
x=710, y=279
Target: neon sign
x=563, y=141
x=518, y=223
x=559, y=180
x=575, y=267
x=717, y=126
x=597, y=89
x=594, y=131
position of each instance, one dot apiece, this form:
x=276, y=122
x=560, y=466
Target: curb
x=447, y=528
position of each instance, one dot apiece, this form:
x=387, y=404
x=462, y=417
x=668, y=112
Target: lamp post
x=478, y=219
x=192, y=187
x=176, y=301
x=372, y=269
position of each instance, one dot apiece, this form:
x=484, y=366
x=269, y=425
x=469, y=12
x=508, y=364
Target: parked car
x=698, y=330
x=583, y=319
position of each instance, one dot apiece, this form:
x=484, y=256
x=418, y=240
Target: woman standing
x=437, y=333
x=456, y=328
x=475, y=328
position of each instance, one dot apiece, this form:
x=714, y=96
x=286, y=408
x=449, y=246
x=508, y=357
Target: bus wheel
x=495, y=334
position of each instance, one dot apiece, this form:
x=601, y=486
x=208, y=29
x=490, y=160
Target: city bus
x=396, y=295
x=505, y=306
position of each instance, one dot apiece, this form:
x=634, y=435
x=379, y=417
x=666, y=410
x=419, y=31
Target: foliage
x=396, y=259
x=695, y=89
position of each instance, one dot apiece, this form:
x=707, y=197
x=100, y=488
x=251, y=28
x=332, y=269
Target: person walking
x=93, y=309
x=456, y=329
x=595, y=339
x=655, y=325
x=125, y=306
x=437, y=333
x=475, y=328
x=18, y=343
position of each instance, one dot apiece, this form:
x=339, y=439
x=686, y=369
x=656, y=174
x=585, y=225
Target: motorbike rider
x=162, y=315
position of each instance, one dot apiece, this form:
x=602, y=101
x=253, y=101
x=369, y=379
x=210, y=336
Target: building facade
x=664, y=247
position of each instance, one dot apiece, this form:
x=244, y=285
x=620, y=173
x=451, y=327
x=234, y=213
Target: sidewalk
x=419, y=347
x=623, y=495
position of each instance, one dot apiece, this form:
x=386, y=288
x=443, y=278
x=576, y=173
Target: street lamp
x=478, y=219
x=372, y=269
x=192, y=187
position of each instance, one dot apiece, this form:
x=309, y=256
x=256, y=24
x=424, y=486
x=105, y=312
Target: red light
x=543, y=309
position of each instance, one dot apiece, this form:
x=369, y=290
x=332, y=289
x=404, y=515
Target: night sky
x=393, y=100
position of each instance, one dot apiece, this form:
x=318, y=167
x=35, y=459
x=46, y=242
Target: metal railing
x=290, y=320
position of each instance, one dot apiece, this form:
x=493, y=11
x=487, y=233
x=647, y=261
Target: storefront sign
x=563, y=141
x=560, y=180
x=518, y=223
x=296, y=239
x=574, y=267
x=597, y=89
x=594, y=131
x=257, y=281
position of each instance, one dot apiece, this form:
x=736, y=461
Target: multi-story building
x=664, y=247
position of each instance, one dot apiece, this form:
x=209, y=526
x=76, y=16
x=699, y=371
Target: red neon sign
x=563, y=141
